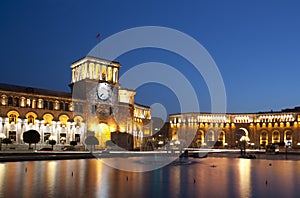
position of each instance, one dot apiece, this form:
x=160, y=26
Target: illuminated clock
x=103, y=91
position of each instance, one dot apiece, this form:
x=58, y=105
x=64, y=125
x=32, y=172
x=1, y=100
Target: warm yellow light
x=122, y=129
x=112, y=129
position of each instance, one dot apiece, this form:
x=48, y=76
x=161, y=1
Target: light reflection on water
x=210, y=177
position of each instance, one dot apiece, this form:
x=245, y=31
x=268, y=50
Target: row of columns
x=55, y=130
x=95, y=71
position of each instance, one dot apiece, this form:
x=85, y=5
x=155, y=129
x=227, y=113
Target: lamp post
x=2, y=136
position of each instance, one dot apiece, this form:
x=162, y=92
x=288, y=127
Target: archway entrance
x=102, y=133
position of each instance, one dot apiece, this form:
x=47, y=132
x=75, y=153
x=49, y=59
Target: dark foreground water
x=210, y=177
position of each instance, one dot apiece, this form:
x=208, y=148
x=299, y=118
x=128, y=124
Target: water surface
x=210, y=177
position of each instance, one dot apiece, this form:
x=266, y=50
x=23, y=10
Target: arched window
x=70, y=107
x=56, y=105
x=276, y=137
x=12, y=116
x=78, y=121
x=22, y=102
x=63, y=120
x=30, y=119
x=221, y=137
x=211, y=136
x=40, y=103
x=31, y=116
x=48, y=119
x=200, y=137
x=288, y=136
x=28, y=103
x=4, y=100
x=264, y=138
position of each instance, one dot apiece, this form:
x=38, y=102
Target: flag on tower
x=98, y=36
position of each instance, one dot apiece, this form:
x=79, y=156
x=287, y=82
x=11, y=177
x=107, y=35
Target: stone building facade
x=97, y=104
x=260, y=129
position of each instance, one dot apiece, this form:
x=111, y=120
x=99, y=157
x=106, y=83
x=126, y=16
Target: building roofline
x=97, y=59
x=32, y=90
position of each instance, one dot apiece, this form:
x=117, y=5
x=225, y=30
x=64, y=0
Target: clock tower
x=108, y=110
x=95, y=84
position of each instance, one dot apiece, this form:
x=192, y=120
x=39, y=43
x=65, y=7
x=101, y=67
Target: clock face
x=104, y=91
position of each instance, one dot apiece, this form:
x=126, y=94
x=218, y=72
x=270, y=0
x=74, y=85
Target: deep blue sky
x=256, y=45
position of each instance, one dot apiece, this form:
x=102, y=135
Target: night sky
x=255, y=44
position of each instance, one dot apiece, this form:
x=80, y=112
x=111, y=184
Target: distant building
x=261, y=129
x=97, y=105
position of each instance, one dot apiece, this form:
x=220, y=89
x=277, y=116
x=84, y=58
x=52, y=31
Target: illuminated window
x=78, y=121
x=56, y=105
x=33, y=103
x=3, y=99
x=31, y=116
x=288, y=136
x=22, y=101
x=91, y=71
x=264, y=138
x=40, y=103
x=71, y=107
x=12, y=116
x=199, y=137
x=28, y=102
x=221, y=137
x=109, y=74
x=63, y=120
x=48, y=119
x=103, y=73
x=97, y=71
x=115, y=75
x=30, y=119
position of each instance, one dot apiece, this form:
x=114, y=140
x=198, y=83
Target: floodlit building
x=97, y=105
x=260, y=129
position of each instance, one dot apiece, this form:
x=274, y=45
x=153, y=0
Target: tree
x=52, y=143
x=73, y=143
x=6, y=141
x=92, y=141
x=31, y=137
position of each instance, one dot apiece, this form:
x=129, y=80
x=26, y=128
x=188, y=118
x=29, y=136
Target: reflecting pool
x=209, y=177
